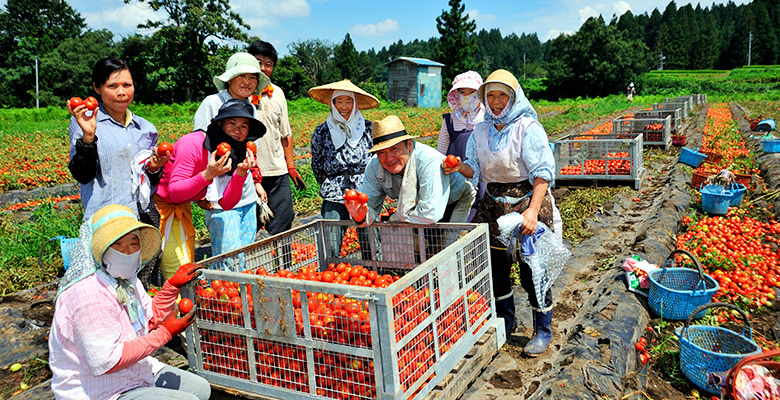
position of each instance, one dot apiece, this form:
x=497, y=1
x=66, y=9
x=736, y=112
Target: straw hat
x=113, y=221
x=499, y=76
x=323, y=94
x=239, y=64
x=387, y=133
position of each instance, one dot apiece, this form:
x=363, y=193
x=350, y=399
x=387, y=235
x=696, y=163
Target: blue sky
x=380, y=23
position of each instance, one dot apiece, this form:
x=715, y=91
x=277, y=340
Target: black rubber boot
x=542, y=334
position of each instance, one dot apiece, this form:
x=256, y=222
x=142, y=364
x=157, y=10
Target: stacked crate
x=610, y=157
x=684, y=107
x=655, y=131
x=673, y=113
x=295, y=339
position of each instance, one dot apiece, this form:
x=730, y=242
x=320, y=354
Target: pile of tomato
x=336, y=319
x=611, y=164
x=350, y=243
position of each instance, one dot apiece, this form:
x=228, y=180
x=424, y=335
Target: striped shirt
x=116, y=147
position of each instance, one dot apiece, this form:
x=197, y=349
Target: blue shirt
x=536, y=153
x=116, y=147
x=435, y=189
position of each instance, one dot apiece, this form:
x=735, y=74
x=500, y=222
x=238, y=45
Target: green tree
x=291, y=77
x=595, y=61
x=765, y=44
x=457, y=46
x=30, y=29
x=346, y=59
x=315, y=56
x=187, y=43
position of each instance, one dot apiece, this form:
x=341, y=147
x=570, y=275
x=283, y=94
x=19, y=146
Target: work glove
x=264, y=213
x=297, y=179
x=185, y=274
x=176, y=325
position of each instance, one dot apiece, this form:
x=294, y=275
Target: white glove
x=265, y=215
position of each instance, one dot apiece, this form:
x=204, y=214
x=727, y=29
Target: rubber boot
x=542, y=334
x=505, y=309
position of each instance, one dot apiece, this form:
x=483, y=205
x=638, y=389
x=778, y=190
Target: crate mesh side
x=344, y=376
x=220, y=301
x=475, y=255
x=478, y=300
x=281, y=364
x=224, y=353
x=416, y=358
x=451, y=325
x=339, y=319
x=411, y=307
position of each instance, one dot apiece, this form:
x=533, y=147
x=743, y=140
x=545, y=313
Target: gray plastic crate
x=655, y=131
x=305, y=339
x=690, y=100
x=613, y=157
x=683, y=106
x=674, y=113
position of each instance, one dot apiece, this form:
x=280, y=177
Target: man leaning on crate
x=411, y=173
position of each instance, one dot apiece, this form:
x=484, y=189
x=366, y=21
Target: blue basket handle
x=40, y=251
x=670, y=260
x=712, y=305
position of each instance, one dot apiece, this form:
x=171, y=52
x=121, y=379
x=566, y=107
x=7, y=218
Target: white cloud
x=620, y=8
x=379, y=29
x=587, y=12
x=126, y=18
x=480, y=18
x=554, y=33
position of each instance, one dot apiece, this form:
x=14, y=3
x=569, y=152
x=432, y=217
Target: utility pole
x=661, y=61
x=750, y=45
x=37, y=97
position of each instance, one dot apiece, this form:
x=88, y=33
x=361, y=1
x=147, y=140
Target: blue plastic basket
x=705, y=349
x=716, y=200
x=691, y=157
x=771, y=145
x=675, y=291
x=737, y=193
x=66, y=248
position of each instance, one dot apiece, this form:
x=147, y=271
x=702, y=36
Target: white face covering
x=121, y=265
x=469, y=103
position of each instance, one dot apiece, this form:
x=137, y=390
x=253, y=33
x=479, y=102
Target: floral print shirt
x=342, y=169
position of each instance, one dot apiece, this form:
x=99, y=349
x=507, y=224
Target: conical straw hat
x=323, y=94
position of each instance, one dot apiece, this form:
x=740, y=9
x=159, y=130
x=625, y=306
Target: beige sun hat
x=499, y=76
x=324, y=93
x=387, y=133
x=239, y=64
x=113, y=221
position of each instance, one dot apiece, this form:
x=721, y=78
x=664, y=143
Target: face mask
x=121, y=265
x=469, y=103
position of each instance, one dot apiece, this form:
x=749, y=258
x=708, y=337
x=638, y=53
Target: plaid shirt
x=86, y=339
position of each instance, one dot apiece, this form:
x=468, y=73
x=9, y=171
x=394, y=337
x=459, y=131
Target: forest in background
x=175, y=63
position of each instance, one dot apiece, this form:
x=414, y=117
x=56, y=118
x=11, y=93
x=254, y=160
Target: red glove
x=297, y=179
x=185, y=274
x=177, y=325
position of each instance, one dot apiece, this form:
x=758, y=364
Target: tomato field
x=604, y=222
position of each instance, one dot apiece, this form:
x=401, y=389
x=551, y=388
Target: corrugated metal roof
x=418, y=61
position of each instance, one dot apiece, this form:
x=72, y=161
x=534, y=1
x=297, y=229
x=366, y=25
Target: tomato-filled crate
x=611, y=157
x=655, y=131
x=673, y=113
x=682, y=106
x=290, y=317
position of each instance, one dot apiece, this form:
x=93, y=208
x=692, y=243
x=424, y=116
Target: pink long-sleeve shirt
x=182, y=180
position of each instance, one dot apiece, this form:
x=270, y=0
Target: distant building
x=415, y=81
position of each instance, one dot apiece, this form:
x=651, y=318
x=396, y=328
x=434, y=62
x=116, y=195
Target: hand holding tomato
x=91, y=103
x=350, y=195
x=217, y=167
x=244, y=166
x=451, y=164
x=251, y=146
x=356, y=209
x=362, y=198
x=223, y=148
x=88, y=123
x=185, y=305
x=164, y=148
x=75, y=102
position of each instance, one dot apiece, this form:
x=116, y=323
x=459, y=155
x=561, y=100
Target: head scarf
x=468, y=110
x=517, y=107
x=83, y=264
x=345, y=130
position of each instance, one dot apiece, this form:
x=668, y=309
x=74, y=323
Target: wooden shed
x=415, y=81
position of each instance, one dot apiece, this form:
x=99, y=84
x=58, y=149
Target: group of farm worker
x=137, y=203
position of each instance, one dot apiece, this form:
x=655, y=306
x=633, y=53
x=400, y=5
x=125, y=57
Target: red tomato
x=362, y=198
x=185, y=305
x=451, y=161
x=164, y=148
x=351, y=195
x=223, y=149
x=91, y=103
x=75, y=102
x=251, y=146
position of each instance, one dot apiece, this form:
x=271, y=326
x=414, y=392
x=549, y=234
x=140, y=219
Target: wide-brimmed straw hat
x=499, y=76
x=239, y=64
x=113, y=221
x=387, y=133
x=324, y=93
